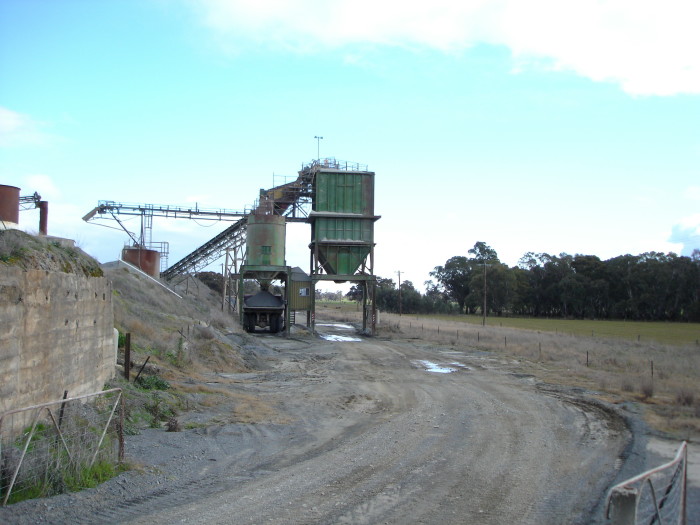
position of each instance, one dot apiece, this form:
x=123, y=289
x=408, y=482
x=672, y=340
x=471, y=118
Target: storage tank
x=9, y=206
x=265, y=240
x=147, y=260
x=343, y=219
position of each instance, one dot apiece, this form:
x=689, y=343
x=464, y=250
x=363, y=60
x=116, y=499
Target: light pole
x=318, y=147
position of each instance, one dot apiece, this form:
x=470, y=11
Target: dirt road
x=369, y=431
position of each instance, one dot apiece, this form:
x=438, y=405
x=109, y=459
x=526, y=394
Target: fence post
x=63, y=407
x=122, y=414
x=623, y=507
x=127, y=356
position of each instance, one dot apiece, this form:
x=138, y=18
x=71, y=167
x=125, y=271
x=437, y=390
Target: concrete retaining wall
x=56, y=333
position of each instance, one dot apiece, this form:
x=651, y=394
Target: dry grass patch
x=251, y=409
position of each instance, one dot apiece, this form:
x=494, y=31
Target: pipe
x=43, y=217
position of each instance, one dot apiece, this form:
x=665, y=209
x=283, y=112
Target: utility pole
x=400, y=309
x=483, y=322
x=318, y=147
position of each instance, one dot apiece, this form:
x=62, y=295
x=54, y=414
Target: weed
x=153, y=383
x=685, y=397
x=159, y=410
x=647, y=389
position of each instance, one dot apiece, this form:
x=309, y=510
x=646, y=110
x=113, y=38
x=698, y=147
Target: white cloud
x=687, y=233
x=648, y=47
x=44, y=186
x=17, y=129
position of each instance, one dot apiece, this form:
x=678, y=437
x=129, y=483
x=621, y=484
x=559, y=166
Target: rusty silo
x=147, y=260
x=9, y=206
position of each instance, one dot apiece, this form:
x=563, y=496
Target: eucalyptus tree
x=453, y=279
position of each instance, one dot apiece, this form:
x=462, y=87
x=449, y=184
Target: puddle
x=337, y=327
x=436, y=368
x=333, y=337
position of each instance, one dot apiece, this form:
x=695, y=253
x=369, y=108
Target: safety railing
x=655, y=497
x=331, y=162
x=60, y=446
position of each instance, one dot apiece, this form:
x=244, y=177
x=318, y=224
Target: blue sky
x=544, y=126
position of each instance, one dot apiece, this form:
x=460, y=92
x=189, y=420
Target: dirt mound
x=185, y=336
x=53, y=254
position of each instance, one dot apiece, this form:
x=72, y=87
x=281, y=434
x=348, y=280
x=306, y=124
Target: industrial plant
x=336, y=198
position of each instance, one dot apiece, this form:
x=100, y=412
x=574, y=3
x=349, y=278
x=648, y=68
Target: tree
x=453, y=279
x=500, y=288
x=387, y=296
x=356, y=293
x=483, y=253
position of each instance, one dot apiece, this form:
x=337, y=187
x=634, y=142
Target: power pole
x=483, y=322
x=400, y=308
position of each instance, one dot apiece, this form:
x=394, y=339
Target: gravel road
x=368, y=431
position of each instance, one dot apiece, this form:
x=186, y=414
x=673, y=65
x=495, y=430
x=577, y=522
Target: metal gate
x=655, y=497
x=60, y=446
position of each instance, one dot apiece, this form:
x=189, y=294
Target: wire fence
x=655, y=497
x=60, y=446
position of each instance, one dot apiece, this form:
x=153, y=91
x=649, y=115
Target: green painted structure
x=265, y=240
x=342, y=228
x=265, y=262
x=342, y=220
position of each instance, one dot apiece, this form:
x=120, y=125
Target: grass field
x=662, y=332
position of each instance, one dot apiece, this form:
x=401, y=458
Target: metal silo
x=265, y=263
x=342, y=234
x=266, y=240
x=146, y=260
x=342, y=229
x=9, y=206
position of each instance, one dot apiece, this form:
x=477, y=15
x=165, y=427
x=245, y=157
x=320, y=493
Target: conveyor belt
x=285, y=200
x=230, y=238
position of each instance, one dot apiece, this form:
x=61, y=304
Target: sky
x=556, y=126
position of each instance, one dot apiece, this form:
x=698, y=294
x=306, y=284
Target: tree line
x=651, y=286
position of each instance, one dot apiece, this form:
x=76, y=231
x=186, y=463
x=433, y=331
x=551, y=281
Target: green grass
x=67, y=480
x=662, y=332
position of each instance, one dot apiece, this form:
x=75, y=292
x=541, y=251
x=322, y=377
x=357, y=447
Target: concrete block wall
x=56, y=333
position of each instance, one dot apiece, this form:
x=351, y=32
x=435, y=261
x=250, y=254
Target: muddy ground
x=371, y=430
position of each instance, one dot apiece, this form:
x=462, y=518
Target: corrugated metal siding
x=300, y=298
x=345, y=192
x=342, y=260
x=344, y=229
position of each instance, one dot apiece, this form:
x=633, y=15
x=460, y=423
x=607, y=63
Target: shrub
x=153, y=383
x=647, y=389
x=685, y=397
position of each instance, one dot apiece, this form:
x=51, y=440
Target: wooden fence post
x=127, y=356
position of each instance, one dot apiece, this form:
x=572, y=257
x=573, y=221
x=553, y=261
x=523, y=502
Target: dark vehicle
x=263, y=310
